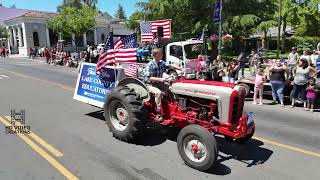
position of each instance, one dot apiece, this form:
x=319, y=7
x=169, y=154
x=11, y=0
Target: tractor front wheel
x=197, y=147
x=124, y=115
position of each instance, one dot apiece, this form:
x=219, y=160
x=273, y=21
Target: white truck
x=183, y=53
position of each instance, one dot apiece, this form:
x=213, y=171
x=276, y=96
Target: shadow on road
x=97, y=115
x=250, y=153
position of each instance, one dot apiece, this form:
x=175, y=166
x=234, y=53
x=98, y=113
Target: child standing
x=233, y=70
x=312, y=90
x=258, y=86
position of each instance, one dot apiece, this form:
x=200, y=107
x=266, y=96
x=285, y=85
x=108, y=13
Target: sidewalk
x=17, y=56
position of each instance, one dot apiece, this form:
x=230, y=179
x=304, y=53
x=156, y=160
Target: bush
x=302, y=43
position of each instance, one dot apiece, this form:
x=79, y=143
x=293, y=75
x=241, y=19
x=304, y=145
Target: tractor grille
x=235, y=109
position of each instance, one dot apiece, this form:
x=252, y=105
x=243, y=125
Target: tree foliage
x=74, y=20
x=189, y=16
x=241, y=18
x=3, y=32
x=120, y=14
x=77, y=4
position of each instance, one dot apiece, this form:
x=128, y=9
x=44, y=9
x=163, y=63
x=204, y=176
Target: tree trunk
x=284, y=27
x=264, y=40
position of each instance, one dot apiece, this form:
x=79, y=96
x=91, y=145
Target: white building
x=29, y=29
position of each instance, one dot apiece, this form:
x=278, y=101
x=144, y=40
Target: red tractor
x=201, y=108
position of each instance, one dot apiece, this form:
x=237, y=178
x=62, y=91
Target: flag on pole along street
x=150, y=27
x=216, y=12
x=106, y=56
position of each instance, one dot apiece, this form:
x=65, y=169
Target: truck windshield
x=193, y=50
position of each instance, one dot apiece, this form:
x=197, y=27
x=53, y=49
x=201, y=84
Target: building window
x=103, y=38
x=35, y=39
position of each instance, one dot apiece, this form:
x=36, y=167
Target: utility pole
x=279, y=29
x=220, y=29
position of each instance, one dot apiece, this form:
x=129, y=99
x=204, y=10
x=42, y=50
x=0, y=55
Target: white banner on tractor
x=92, y=88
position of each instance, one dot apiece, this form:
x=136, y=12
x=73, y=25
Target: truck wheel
x=197, y=147
x=124, y=114
x=242, y=140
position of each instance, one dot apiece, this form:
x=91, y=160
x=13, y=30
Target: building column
x=84, y=39
x=14, y=37
x=73, y=40
x=24, y=32
x=48, y=37
x=95, y=36
x=9, y=38
x=19, y=36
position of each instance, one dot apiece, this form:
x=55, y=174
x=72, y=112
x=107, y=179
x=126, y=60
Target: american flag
x=128, y=52
x=106, y=56
x=118, y=44
x=150, y=27
x=131, y=70
x=127, y=56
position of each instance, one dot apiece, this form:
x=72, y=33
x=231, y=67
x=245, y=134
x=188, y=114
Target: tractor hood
x=203, y=89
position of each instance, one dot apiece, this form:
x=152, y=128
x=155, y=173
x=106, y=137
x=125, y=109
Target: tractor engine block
x=197, y=108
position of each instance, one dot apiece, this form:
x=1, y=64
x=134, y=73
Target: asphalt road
x=70, y=140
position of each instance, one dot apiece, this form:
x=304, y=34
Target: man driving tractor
x=154, y=77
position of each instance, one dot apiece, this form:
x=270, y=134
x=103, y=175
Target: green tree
x=120, y=14
x=189, y=17
x=77, y=4
x=4, y=32
x=309, y=19
x=75, y=21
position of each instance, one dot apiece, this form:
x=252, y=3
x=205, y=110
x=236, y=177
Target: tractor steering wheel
x=169, y=80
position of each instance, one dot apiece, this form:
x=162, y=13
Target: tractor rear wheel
x=124, y=114
x=197, y=147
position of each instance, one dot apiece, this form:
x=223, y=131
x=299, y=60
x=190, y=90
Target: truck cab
x=183, y=53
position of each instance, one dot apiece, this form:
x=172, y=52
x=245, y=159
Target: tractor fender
x=139, y=87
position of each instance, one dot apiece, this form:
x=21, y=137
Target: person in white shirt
x=292, y=61
x=305, y=56
x=313, y=58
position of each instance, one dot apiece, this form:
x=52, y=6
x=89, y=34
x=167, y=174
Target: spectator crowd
x=301, y=71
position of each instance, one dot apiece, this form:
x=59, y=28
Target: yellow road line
x=34, y=78
x=42, y=153
x=285, y=146
x=50, y=148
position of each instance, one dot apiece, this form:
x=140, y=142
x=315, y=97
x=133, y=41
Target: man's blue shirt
x=154, y=69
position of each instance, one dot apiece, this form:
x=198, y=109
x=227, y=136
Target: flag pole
x=114, y=65
x=220, y=29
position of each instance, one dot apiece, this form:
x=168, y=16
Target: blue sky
x=109, y=6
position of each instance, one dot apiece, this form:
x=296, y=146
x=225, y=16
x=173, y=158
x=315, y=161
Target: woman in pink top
x=258, y=86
